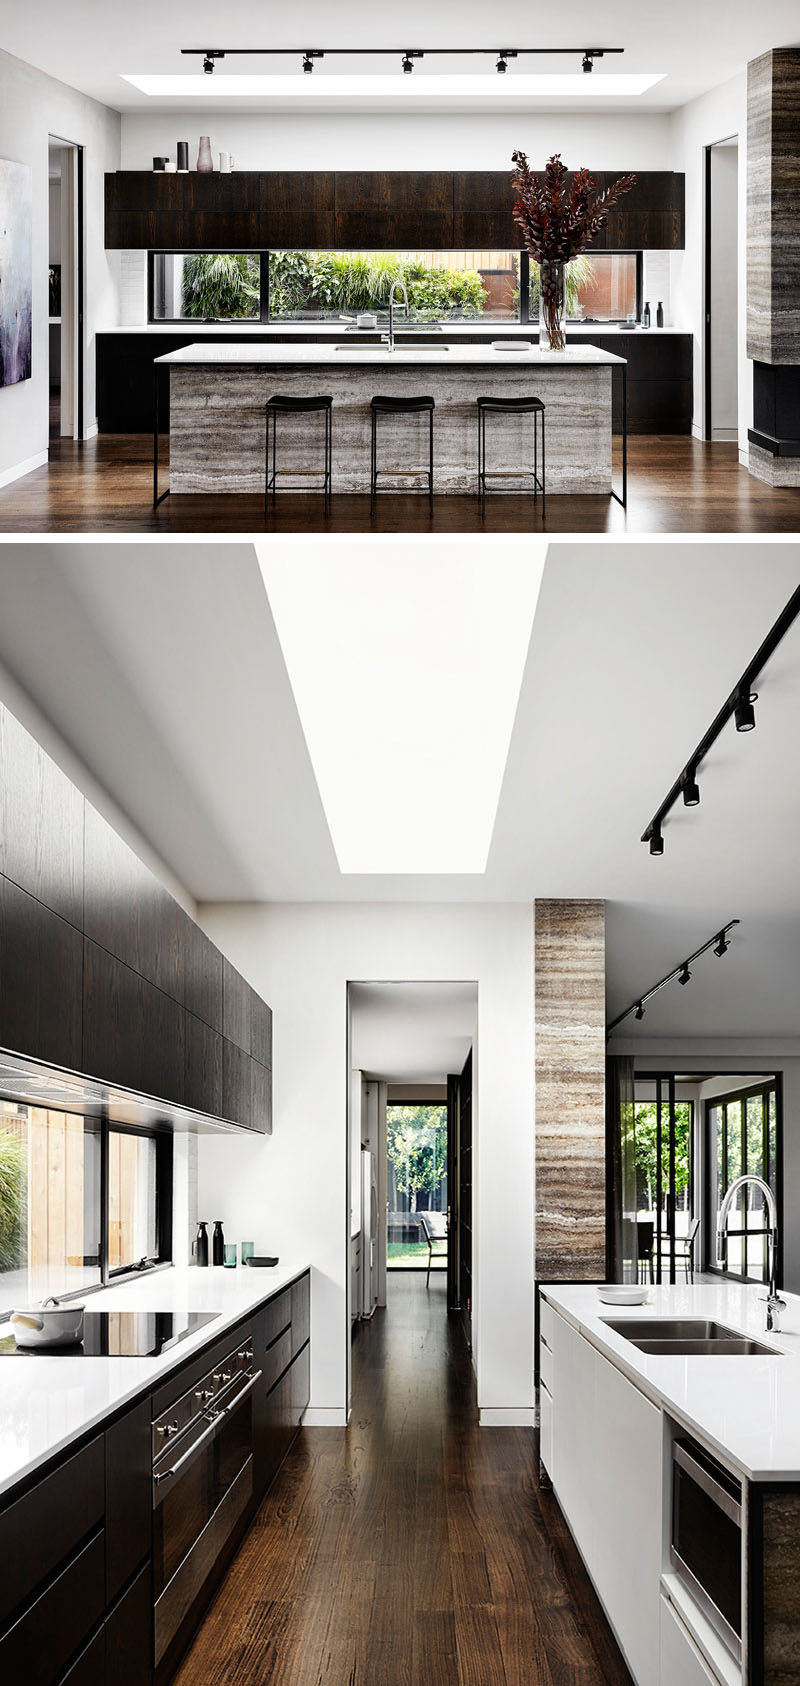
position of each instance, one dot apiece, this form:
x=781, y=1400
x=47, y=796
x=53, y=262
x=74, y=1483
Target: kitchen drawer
x=43, y=1528
x=129, y=1635
x=301, y=1312
x=546, y=1367
x=546, y=1428
x=546, y=1321
x=278, y=1315
x=680, y=1658
x=41, y=1642
x=129, y=1502
x=89, y=1669
x=276, y=1359
x=299, y=1385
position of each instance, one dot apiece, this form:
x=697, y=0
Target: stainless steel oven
x=706, y=1547
x=202, y=1483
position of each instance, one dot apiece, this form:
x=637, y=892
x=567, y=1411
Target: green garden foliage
x=221, y=285
x=344, y=283
x=13, y=1200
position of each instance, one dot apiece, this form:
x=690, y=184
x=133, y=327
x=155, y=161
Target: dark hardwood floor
x=414, y=1546
x=675, y=485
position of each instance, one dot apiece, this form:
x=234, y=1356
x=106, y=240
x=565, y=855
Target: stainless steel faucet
x=388, y=339
x=775, y=1305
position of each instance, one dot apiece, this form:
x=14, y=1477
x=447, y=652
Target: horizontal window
x=604, y=287
x=205, y=286
x=57, y=1234
x=441, y=286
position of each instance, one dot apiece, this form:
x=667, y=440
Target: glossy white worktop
x=47, y=1402
x=227, y=353
x=335, y=330
x=747, y=1408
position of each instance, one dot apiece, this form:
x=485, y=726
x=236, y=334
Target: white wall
x=732, y=1056
x=33, y=106
x=290, y=1191
x=714, y=117
x=461, y=141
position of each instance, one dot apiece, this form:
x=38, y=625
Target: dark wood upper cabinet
x=482, y=204
x=237, y=1085
x=133, y=1034
x=236, y=1007
x=387, y=209
x=41, y=970
x=381, y=209
x=202, y=1085
x=128, y=911
x=260, y=1029
x=202, y=969
x=41, y=823
x=260, y=1099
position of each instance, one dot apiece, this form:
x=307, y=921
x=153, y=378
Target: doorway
x=722, y=291
x=65, y=290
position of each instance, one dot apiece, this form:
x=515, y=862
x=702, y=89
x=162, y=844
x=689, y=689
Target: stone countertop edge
x=47, y=1403
x=745, y=1408
x=322, y=356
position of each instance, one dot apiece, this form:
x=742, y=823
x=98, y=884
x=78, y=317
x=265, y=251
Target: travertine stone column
x=570, y=1049
x=773, y=207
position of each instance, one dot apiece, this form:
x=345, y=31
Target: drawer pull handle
x=165, y=1474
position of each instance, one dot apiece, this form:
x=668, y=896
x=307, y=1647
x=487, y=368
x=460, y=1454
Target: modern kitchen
x=447, y=287
x=233, y=1443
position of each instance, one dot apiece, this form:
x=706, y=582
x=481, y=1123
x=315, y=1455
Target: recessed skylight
x=406, y=663
x=421, y=86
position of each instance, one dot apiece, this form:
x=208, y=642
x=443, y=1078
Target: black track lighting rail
x=719, y=942
x=739, y=707
x=406, y=55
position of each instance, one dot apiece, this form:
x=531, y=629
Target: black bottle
x=218, y=1244
x=646, y=315
x=660, y=315
x=200, y=1244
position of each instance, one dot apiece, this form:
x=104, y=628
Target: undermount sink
x=418, y=350
x=687, y=1337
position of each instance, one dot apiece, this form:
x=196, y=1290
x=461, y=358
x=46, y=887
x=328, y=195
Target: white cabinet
x=681, y=1662
x=606, y=1471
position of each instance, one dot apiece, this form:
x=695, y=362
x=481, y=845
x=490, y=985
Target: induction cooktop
x=119, y=1334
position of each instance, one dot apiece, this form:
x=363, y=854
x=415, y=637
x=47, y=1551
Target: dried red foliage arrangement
x=559, y=216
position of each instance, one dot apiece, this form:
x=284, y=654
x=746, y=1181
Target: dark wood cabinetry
x=282, y=1347
x=381, y=209
x=102, y=972
x=128, y=1508
x=660, y=379
x=41, y=971
x=41, y=823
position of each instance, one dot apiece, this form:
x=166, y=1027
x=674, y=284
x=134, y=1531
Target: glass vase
x=552, y=300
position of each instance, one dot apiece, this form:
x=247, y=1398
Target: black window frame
x=164, y=1200
x=761, y=1088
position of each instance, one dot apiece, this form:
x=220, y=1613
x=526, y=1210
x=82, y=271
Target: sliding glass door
x=664, y=1169
x=742, y=1137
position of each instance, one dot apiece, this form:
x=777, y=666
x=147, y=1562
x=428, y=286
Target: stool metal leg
x=544, y=474
x=535, y=455
x=430, y=462
x=266, y=468
x=373, y=465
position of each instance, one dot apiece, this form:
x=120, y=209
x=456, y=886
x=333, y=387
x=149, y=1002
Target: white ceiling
x=698, y=43
x=161, y=667
x=411, y=1032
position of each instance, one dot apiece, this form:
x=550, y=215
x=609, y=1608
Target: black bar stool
x=382, y=406
x=285, y=404
x=511, y=407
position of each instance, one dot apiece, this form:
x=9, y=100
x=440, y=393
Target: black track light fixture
x=502, y=64
x=587, y=64
x=208, y=64
x=656, y=840
x=720, y=943
x=501, y=55
x=738, y=707
x=408, y=60
x=744, y=713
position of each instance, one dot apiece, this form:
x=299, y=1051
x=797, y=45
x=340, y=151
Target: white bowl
x=48, y=1326
x=625, y=1294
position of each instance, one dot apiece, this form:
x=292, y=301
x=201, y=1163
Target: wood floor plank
x=675, y=485
x=412, y=1546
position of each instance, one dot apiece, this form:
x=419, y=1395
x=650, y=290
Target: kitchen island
x=666, y=1461
x=218, y=392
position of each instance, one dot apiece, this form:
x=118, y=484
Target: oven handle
x=709, y=1486
x=175, y=1469
x=237, y=1399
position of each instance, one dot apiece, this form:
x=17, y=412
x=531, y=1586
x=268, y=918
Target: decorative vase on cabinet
x=205, y=162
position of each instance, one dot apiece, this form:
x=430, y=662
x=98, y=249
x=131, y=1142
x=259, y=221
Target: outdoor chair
x=434, y=1229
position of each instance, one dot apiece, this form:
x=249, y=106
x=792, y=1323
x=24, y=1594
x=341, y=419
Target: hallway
x=412, y=1547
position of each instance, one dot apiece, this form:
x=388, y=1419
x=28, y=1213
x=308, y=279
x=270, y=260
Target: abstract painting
x=16, y=272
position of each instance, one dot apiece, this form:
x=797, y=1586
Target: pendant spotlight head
x=684, y=973
x=502, y=64
x=691, y=789
x=587, y=64
x=721, y=945
x=639, y=1011
x=308, y=64
x=744, y=713
x=208, y=64
x=408, y=64
x=656, y=841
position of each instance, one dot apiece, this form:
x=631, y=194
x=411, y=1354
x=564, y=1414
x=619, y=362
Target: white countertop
x=48, y=1402
x=336, y=330
x=584, y=356
x=746, y=1408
